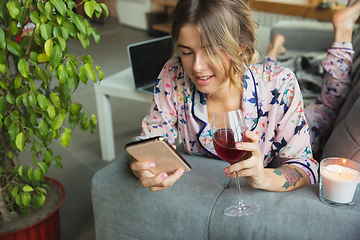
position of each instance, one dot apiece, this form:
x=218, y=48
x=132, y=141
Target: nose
x=200, y=61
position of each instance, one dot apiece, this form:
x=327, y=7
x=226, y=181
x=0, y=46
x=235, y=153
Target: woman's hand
x=252, y=168
x=155, y=183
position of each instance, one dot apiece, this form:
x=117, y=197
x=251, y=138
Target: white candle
x=339, y=182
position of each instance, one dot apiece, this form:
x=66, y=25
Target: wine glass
x=228, y=128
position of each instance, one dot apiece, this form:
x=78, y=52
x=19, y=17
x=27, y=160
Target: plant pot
x=45, y=229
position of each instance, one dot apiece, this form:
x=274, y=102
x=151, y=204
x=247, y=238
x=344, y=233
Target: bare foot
x=344, y=20
x=276, y=47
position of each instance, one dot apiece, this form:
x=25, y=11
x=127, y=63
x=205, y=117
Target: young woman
x=215, y=41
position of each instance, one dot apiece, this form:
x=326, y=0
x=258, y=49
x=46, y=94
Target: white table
x=119, y=85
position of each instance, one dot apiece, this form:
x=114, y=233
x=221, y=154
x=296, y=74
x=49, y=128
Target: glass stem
x=241, y=203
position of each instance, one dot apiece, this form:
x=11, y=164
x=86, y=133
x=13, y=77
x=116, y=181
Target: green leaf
x=59, y=5
x=55, y=99
x=3, y=85
x=43, y=127
x=95, y=34
x=45, y=31
x=89, y=71
x=33, y=119
x=41, y=74
x=2, y=39
x=21, y=171
x=34, y=16
x=23, y=68
x=82, y=75
x=43, y=166
x=65, y=33
x=79, y=22
x=18, y=200
x=2, y=68
x=106, y=9
x=100, y=72
x=42, y=101
x=65, y=137
x=31, y=173
x=51, y=111
x=57, y=122
x=13, y=130
x=84, y=40
x=10, y=98
x=57, y=162
x=56, y=55
x=17, y=82
x=13, y=9
x=38, y=174
x=89, y=9
x=27, y=188
x=3, y=105
x=48, y=46
x=14, y=48
x=84, y=121
x=63, y=75
x=41, y=200
x=70, y=69
x=15, y=191
x=47, y=157
x=62, y=43
x=25, y=198
x=20, y=141
x=32, y=100
x=43, y=57
x=49, y=10
x=278, y=172
x=40, y=6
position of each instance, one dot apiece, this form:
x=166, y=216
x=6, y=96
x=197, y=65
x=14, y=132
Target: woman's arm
x=285, y=178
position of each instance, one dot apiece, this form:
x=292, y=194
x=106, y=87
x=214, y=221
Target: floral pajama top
x=272, y=107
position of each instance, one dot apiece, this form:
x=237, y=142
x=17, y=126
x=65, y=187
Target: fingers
x=161, y=181
x=253, y=163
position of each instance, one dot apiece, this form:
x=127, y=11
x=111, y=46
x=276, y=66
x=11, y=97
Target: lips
x=204, y=80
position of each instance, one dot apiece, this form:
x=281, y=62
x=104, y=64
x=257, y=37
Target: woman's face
x=202, y=72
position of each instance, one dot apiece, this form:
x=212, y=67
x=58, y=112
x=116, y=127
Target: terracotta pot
x=46, y=229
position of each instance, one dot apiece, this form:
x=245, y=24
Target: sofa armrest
x=307, y=36
x=193, y=208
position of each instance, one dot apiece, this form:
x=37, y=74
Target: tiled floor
x=83, y=157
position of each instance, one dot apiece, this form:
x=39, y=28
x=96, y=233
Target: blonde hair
x=224, y=26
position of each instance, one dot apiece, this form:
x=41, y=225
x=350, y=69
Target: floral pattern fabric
x=272, y=107
x=337, y=81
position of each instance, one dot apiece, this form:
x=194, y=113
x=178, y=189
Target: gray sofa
x=193, y=207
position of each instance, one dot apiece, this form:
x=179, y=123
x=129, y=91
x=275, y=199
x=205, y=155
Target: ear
x=242, y=49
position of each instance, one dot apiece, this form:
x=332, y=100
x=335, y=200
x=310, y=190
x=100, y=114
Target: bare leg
x=276, y=47
x=344, y=21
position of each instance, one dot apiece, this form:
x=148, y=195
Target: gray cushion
x=193, y=208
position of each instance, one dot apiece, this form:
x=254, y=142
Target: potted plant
x=37, y=79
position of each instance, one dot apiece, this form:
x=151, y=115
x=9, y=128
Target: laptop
x=147, y=58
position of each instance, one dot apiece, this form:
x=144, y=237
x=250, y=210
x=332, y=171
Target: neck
x=226, y=99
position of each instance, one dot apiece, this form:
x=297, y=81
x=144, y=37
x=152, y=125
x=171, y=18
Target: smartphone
x=159, y=151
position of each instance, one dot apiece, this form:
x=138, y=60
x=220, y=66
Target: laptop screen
x=147, y=59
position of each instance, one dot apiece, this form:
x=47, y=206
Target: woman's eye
x=186, y=53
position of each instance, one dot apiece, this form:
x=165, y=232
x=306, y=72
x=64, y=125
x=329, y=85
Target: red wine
x=224, y=144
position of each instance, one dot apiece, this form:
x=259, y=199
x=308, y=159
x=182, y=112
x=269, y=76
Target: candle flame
x=343, y=161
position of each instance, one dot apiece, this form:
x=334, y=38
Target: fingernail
x=228, y=174
x=151, y=165
x=181, y=172
x=164, y=176
x=238, y=145
x=226, y=170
